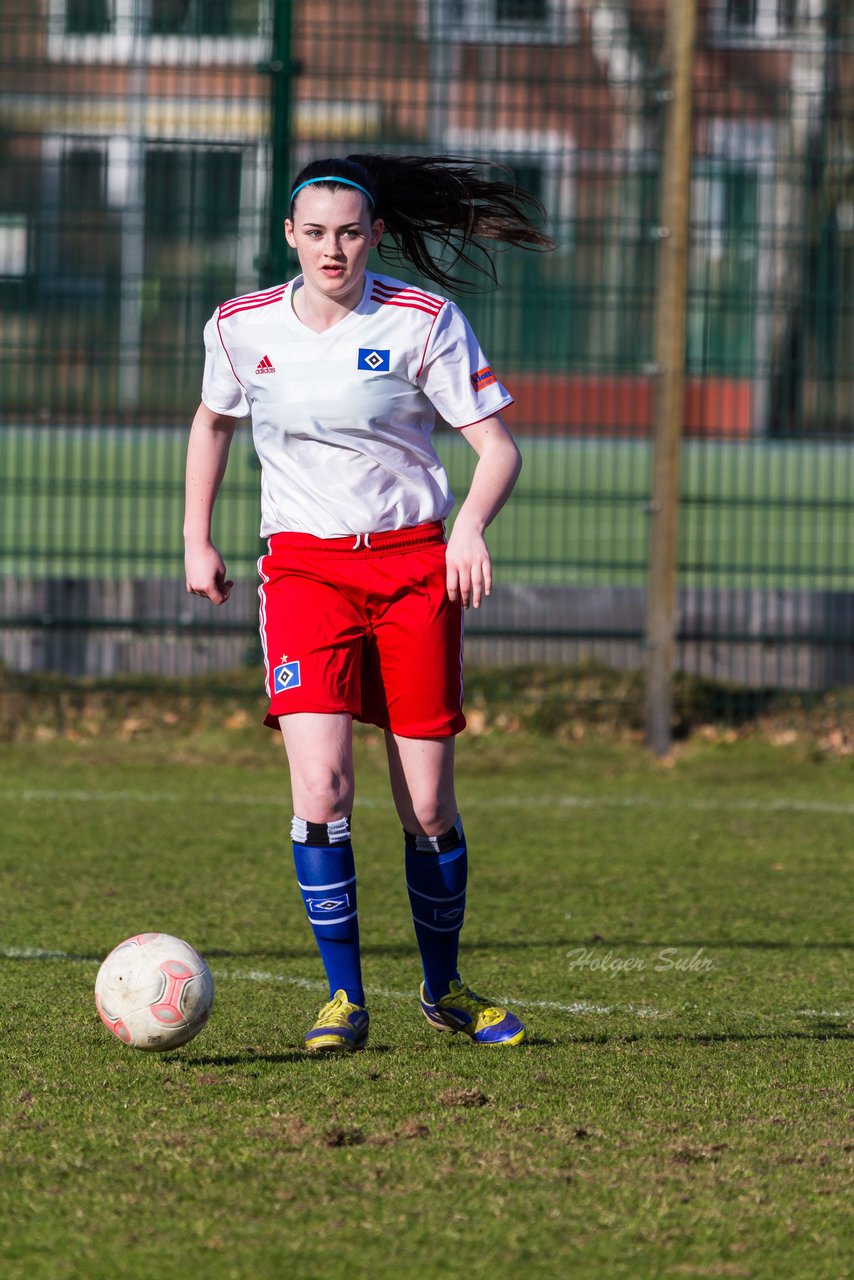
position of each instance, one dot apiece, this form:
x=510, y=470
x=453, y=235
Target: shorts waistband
x=419, y=535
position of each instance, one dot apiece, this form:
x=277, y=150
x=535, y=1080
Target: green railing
x=147, y=150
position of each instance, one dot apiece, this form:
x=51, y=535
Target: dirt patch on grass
x=463, y=1098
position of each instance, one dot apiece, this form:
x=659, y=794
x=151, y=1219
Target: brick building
x=139, y=162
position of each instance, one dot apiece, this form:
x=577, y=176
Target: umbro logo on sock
x=265, y=366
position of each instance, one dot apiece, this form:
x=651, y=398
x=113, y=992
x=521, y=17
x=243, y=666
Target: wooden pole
x=672, y=287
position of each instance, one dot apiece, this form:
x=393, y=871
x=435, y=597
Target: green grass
x=87, y=501
x=664, y=1120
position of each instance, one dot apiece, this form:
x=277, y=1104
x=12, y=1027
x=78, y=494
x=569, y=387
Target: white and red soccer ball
x=154, y=992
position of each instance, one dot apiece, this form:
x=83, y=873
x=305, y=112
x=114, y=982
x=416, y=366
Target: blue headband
x=345, y=181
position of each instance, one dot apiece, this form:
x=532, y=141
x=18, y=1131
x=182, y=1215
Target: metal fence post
x=274, y=266
x=672, y=284
x=133, y=221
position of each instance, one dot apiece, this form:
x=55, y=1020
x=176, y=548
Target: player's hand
x=468, y=566
x=205, y=571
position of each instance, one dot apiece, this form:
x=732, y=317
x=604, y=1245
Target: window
x=500, y=21
x=171, y=31
x=192, y=195
x=194, y=204
x=531, y=11
x=77, y=246
x=14, y=245
x=721, y=318
x=203, y=17
x=87, y=17
x=732, y=199
x=748, y=21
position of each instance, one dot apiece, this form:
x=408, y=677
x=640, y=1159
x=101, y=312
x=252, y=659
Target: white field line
x=578, y=1007
x=44, y=795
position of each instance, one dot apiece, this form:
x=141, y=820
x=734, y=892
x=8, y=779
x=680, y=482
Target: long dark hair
x=441, y=199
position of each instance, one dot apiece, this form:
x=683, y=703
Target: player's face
x=333, y=233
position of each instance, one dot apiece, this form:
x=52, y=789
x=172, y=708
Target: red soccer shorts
x=363, y=625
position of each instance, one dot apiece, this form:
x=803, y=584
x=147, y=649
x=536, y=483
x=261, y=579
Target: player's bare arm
x=207, y=458
x=469, y=569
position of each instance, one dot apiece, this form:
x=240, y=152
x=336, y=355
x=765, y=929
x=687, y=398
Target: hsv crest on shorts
x=265, y=365
x=286, y=676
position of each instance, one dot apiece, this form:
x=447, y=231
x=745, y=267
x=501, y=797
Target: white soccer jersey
x=342, y=420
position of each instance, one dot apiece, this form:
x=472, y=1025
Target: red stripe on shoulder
x=251, y=301
x=400, y=287
x=396, y=291
x=412, y=306
x=388, y=295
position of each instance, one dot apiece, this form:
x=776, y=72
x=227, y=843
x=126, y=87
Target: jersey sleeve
x=221, y=390
x=456, y=376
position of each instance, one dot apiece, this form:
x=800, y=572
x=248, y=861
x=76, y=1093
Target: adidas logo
x=265, y=366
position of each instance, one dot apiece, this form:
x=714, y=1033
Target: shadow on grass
x=404, y=950
x=722, y=944
x=391, y=950
x=283, y=1056
x=822, y=1031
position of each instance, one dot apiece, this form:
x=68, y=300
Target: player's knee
x=322, y=792
x=431, y=815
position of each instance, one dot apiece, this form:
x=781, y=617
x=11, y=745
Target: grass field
x=678, y=940
x=85, y=501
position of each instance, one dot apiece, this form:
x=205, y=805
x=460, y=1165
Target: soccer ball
x=154, y=992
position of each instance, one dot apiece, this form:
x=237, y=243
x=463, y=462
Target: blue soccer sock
x=436, y=875
x=326, y=874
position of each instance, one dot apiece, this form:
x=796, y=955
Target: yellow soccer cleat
x=341, y=1027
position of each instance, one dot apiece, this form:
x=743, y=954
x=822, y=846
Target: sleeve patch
x=483, y=378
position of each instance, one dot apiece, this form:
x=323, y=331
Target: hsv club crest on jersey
x=376, y=361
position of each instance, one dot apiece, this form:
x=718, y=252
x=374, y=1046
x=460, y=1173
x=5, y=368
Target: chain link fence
x=148, y=147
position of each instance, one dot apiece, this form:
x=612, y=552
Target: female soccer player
x=361, y=596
